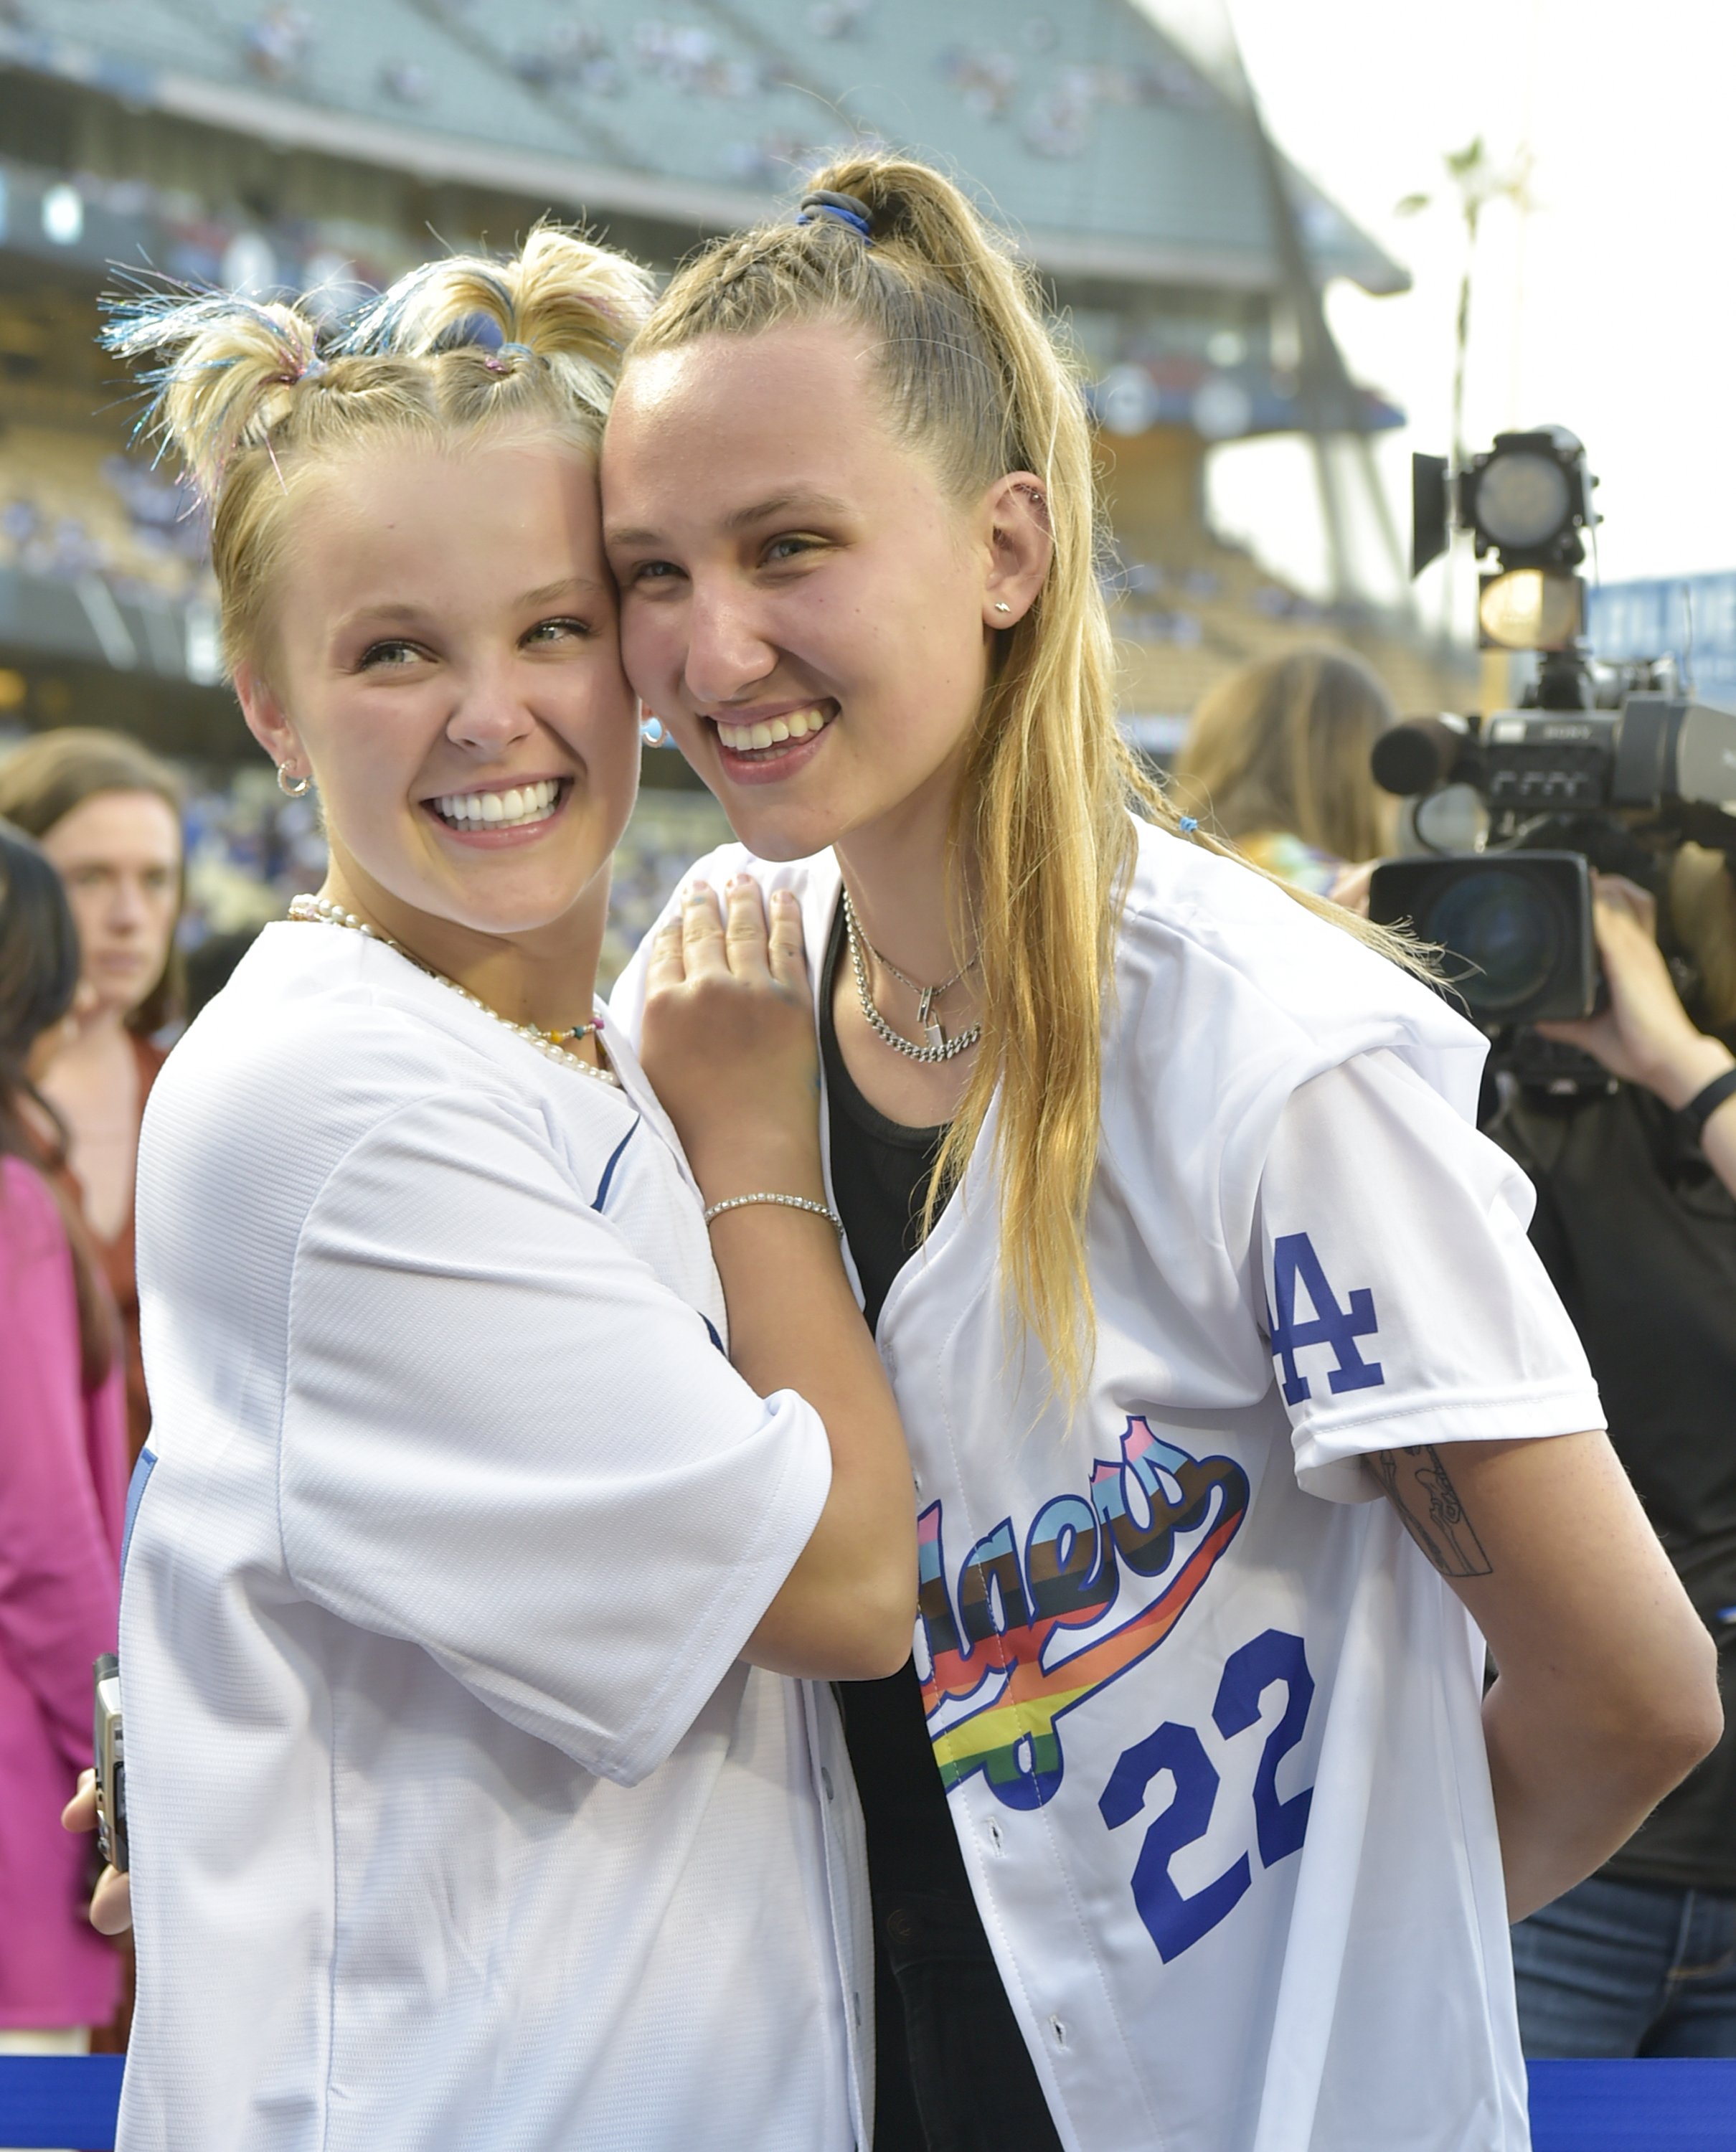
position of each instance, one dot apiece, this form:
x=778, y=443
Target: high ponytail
x=972, y=376
x=248, y=395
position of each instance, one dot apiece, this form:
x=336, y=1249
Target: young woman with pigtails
x=1240, y=1412
x=470, y=1803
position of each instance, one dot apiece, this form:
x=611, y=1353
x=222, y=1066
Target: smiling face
x=118, y=854
x=801, y=601
x=446, y=663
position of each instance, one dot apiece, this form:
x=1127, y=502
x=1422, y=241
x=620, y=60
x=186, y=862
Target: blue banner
x=1691, y=618
x=1576, y=2107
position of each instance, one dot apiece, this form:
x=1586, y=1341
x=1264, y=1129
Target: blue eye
x=551, y=631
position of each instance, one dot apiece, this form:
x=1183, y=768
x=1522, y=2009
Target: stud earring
x=653, y=730
x=1002, y=607
x=292, y=789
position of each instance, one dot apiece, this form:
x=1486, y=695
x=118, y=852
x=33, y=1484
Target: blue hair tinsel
x=157, y=314
x=396, y=321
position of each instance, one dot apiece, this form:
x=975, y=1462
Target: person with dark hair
x=62, y=1475
x=1636, y=1223
x=1276, y=758
x=107, y=813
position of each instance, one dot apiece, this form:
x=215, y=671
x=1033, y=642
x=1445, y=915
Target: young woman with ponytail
x=1189, y=1825
x=468, y=1805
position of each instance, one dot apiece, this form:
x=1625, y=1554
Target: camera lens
x=1504, y=929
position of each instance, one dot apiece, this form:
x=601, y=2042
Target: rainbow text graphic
x=1157, y=1513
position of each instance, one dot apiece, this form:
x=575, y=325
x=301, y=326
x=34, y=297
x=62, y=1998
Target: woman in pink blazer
x=63, y=1467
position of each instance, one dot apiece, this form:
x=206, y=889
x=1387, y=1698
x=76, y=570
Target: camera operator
x=1636, y=1223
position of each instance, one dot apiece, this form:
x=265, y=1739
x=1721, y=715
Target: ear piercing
x=653, y=730
x=1000, y=607
x=293, y=788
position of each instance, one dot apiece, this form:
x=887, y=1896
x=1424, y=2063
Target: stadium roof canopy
x=1084, y=128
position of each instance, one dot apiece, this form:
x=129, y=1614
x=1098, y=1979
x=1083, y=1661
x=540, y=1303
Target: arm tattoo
x=1415, y=1481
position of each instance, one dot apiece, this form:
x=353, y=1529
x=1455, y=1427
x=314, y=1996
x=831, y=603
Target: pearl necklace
x=321, y=911
x=939, y=1048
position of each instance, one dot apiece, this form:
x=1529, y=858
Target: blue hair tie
x=842, y=209
x=1188, y=826
x=472, y=332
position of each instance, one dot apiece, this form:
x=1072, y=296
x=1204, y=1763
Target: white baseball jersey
x=456, y=1822
x=1208, y=1721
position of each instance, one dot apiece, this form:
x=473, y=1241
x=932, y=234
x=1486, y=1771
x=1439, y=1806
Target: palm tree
x=1476, y=180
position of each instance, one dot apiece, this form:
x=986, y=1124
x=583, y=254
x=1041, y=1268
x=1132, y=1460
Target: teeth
x=743, y=739
x=517, y=804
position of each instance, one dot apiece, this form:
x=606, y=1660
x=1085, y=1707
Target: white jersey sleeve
x=506, y=1440
x=1403, y=1303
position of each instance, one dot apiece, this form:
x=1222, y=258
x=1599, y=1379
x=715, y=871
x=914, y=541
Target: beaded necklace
x=320, y=911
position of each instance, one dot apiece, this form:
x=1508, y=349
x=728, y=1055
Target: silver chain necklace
x=939, y=1048
x=320, y=911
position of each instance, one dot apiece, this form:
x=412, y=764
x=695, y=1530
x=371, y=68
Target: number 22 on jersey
x=1176, y=1921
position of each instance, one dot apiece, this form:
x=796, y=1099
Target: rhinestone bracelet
x=787, y=1202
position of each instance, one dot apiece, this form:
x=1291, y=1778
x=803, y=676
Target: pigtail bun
x=248, y=394
x=220, y=372
x=572, y=305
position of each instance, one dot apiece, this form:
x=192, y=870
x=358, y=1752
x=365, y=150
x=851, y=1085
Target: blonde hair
x=1284, y=745
x=972, y=378
x=250, y=394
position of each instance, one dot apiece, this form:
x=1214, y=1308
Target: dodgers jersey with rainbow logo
x=1207, y=1720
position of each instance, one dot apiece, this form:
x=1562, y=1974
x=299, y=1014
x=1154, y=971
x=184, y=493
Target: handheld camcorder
x=1603, y=766
x=111, y=1770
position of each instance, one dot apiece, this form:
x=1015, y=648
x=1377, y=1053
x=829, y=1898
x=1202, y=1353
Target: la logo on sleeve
x=1294, y=1263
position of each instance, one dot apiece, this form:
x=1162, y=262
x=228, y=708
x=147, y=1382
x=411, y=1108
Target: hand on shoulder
x=728, y=1040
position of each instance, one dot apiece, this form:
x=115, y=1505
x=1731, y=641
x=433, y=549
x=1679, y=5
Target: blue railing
x=59, y=2101
x=1576, y=2107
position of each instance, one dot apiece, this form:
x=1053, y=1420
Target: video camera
x=1602, y=766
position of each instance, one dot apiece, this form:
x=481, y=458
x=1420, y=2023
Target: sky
x=1610, y=307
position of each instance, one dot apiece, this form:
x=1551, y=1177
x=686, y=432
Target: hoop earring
x=653, y=730
x=292, y=791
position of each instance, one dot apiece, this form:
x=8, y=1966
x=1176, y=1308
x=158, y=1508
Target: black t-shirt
x=880, y=1179
x=1639, y=1235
